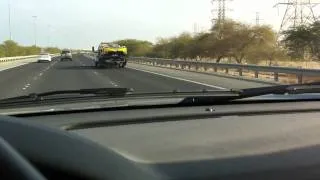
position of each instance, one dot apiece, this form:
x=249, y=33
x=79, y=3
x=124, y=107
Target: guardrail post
x=240, y=71
x=215, y=68
x=227, y=70
x=256, y=74
x=197, y=67
x=300, y=78
x=276, y=76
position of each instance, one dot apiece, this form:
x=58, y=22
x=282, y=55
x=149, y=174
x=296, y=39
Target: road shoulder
x=212, y=80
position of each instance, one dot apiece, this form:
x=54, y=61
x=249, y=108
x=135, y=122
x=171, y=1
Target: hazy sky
x=83, y=23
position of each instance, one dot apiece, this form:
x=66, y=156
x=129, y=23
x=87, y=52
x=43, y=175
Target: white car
x=45, y=58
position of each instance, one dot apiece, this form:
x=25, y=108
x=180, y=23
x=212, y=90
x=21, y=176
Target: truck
x=111, y=55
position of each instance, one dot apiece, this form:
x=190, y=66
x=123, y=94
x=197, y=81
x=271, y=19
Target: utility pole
x=35, y=29
x=298, y=12
x=195, y=28
x=9, y=19
x=49, y=34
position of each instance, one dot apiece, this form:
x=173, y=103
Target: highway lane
x=80, y=73
x=14, y=81
x=142, y=81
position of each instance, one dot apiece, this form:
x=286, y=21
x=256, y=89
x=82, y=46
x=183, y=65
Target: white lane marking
x=96, y=73
x=181, y=79
x=40, y=74
x=26, y=86
x=82, y=64
x=114, y=84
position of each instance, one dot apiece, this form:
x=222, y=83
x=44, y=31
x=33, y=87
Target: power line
x=257, y=19
x=219, y=14
x=298, y=12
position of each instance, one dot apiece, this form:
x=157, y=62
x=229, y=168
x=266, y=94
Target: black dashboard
x=239, y=141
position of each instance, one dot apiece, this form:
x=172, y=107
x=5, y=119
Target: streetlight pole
x=9, y=20
x=49, y=34
x=35, y=29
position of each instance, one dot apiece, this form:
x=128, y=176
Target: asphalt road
x=80, y=73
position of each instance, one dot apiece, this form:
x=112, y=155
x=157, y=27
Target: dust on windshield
x=157, y=46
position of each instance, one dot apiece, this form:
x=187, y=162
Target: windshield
x=157, y=46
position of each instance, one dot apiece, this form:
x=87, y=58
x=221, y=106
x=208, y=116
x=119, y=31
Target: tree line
x=303, y=42
x=234, y=42
x=11, y=48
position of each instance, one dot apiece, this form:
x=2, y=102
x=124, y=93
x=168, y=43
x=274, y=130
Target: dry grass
x=295, y=64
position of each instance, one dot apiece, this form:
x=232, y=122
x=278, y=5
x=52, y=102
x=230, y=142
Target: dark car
x=66, y=55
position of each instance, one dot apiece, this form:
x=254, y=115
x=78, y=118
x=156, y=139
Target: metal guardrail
x=8, y=59
x=300, y=73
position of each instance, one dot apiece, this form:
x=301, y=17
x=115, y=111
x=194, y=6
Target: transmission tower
x=258, y=19
x=298, y=12
x=219, y=13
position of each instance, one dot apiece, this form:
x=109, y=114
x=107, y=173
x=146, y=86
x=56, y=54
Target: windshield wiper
x=281, y=89
x=254, y=92
x=101, y=92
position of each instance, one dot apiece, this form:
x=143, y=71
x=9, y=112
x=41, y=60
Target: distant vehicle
x=66, y=55
x=45, y=57
x=111, y=55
